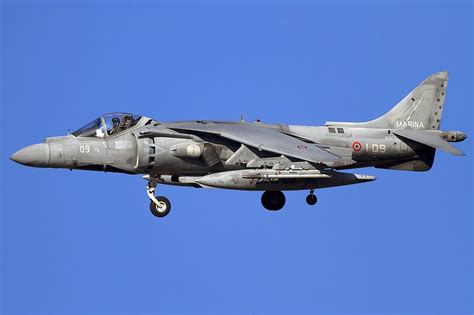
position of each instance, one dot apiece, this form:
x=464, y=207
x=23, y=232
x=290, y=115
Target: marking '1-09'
x=374, y=147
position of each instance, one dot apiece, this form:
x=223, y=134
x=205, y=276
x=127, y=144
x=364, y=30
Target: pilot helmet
x=115, y=120
x=127, y=120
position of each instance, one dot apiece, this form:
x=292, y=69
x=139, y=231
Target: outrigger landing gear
x=311, y=199
x=160, y=206
x=273, y=200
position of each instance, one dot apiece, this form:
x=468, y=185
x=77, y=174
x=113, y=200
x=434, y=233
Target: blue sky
x=85, y=242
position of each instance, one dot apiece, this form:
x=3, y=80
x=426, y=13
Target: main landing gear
x=275, y=200
x=160, y=206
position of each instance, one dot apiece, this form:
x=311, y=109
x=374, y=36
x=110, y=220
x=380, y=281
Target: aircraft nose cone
x=36, y=155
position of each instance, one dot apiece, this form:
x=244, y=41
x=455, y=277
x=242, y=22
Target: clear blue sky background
x=85, y=242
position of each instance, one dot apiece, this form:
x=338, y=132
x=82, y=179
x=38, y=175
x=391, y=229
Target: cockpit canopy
x=108, y=125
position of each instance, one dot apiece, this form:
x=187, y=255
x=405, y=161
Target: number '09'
x=84, y=149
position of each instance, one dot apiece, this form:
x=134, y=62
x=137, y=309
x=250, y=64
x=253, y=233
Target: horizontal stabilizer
x=428, y=138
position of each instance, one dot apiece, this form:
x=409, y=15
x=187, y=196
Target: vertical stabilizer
x=422, y=108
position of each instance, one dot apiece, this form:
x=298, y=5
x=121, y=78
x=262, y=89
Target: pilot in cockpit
x=127, y=122
x=115, y=126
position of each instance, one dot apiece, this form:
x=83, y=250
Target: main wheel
x=311, y=199
x=273, y=200
x=162, y=208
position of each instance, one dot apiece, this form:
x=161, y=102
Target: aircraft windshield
x=118, y=122
x=114, y=123
x=92, y=129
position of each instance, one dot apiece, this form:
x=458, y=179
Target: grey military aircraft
x=254, y=155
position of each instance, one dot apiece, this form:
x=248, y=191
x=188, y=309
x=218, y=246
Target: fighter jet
x=253, y=155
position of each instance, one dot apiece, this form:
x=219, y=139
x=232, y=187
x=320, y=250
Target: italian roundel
x=356, y=146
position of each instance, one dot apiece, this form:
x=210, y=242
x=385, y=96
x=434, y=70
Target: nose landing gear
x=311, y=199
x=160, y=206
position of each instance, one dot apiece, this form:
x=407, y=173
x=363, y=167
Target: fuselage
x=181, y=154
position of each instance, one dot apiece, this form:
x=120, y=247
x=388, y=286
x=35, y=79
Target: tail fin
x=420, y=109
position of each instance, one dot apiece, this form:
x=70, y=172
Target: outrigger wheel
x=311, y=199
x=273, y=200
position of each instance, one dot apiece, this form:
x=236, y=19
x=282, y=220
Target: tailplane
x=422, y=108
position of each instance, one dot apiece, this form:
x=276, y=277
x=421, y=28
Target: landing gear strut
x=311, y=199
x=160, y=206
x=273, y=200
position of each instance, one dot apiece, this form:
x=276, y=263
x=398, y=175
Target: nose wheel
x=311, y=199
x=160, y=206
x=160, y=209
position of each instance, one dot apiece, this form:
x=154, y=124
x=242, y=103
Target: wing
x=429, y=139
x=267, y=139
